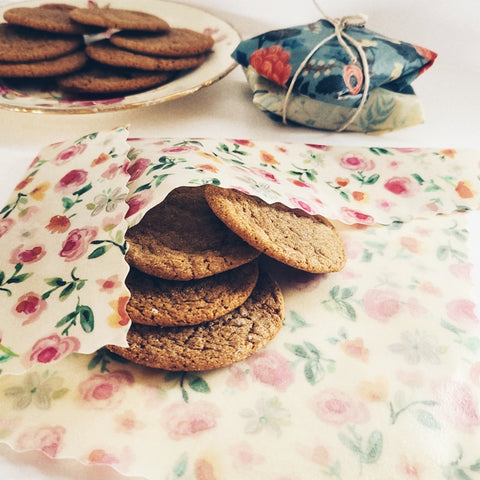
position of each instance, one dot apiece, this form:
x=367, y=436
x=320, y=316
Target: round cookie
x=54, y=17
x=178, y=42
x=181, y=239
x=106, y=53
x=103, y=79
x=44, y=68
x=221, y=342
x=18, y=44
x=119, y=18
x=155, y=301
x=291, y=236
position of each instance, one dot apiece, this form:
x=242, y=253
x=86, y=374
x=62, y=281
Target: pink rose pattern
x=52, y=348
x=271, y=368
x=382, y=305
x=69, y=153
x=363, y=186
x=383, y=353
x=29, y=307
x=53, y=251
x=183, y=420
x=105, y=391
x=338, y=408
x=71, y=181
x=47, y=439
x=77, y=242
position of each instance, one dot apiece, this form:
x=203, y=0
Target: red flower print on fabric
x=68, y=153
x=356, y=162
x=402, y=186
x=46, y=438
x=137, y=202
x=271, y=368
x=52, y=348
x=353, y=78
x=23, y=254
x=272, y=63
x=382, y=305
x=352, y=217
x=58, y=224
x=77, y=243
x=186, y=420
x=71, y=181
x=339, y=408
x=29, y=307
x=136, y=169
x=106, y=390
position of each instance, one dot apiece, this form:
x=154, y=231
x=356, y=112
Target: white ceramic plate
x=35, y=98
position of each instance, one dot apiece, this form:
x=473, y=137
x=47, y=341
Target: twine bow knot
x=340, y=25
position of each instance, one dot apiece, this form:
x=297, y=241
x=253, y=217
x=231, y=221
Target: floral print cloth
x=62, y=246
x=330, y=75
x=334, y=74
x=375, y=373
x=384, y=110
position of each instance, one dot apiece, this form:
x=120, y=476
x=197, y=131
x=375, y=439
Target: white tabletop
x=448, y=91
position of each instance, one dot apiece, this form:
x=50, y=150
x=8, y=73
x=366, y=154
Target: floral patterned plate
x=35, y=97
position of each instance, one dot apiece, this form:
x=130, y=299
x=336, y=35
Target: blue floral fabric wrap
x=330, y=75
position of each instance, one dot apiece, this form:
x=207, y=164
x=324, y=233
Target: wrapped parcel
x=308, y=75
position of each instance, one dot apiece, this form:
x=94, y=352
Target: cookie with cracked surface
x=178, y=42
x=105, y=52
x=181, y=239
x=105, y=80
x=155, y=301
x=291, y=236
x=53, y=17
x=221, y=342
x=118, y=18
x=44, y=68
x=19, y=44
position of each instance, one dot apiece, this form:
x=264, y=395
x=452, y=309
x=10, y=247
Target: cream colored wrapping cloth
x=374, y=375
x=383, y=111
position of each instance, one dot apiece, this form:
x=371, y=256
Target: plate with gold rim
x=43, y=96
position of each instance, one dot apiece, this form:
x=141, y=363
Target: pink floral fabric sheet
x=375, y=373
x=354, y=185
x=62, y=248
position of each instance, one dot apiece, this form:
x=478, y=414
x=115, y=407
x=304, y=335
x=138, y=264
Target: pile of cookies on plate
x=97, y=50
x=199, y=299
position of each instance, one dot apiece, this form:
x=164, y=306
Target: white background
x=449, y=92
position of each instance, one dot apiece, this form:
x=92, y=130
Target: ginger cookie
x=181, y=239
x=18, y=44
x=291, y=236
x=221, y=342
x=44, y=68
x=54, y=17
x=101, y=79
x=155, y=301
x=106, y=53
x=178, y=42
x=119, y=18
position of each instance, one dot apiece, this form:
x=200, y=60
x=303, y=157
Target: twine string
x=340, y=25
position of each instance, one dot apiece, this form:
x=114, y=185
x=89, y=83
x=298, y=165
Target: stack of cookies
x=32, y=52
x=199, y=300
x=96, y=50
